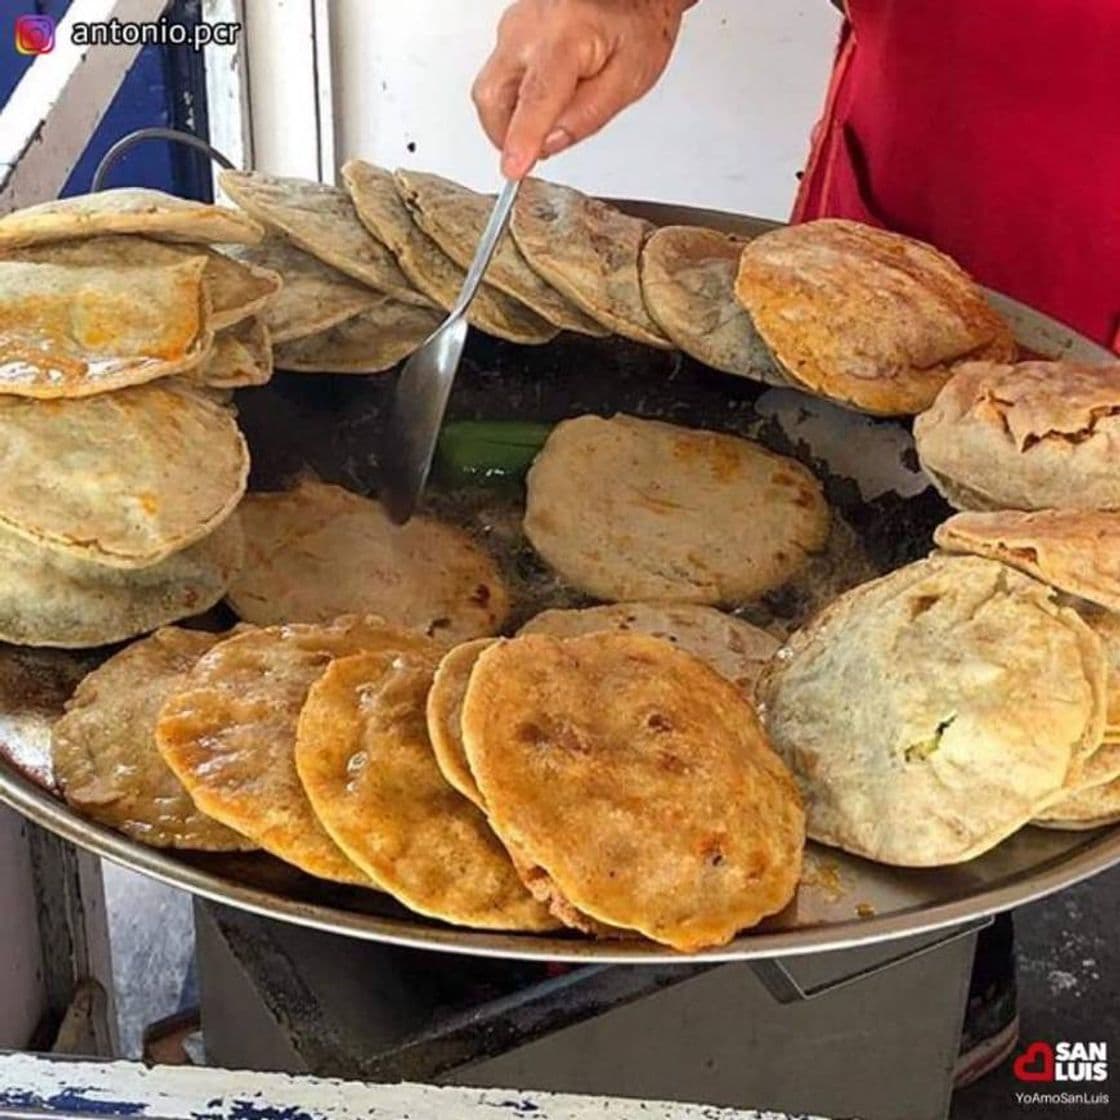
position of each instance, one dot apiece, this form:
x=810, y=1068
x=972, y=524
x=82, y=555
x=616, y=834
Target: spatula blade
x=415, y=418
x=421, y=393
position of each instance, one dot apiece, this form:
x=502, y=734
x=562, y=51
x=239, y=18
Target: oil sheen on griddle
x=493, y=517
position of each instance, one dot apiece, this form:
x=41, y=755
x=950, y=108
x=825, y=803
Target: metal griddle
x=331, y=426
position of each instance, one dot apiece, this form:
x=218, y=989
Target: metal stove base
x=882, y=1046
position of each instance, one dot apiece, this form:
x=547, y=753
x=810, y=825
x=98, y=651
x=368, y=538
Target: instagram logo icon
x=34, y=34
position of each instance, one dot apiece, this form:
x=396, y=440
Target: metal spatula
x=420, y=397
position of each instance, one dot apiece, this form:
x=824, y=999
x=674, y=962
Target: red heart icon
x=1036, y=1063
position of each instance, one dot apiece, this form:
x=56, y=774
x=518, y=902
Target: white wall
x=727, y=127
x=280, y=75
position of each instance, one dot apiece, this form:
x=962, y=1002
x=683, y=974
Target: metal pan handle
x=784, y=987
x=133, y=138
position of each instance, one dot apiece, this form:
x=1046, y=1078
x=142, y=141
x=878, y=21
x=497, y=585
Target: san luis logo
x=1062, y=1062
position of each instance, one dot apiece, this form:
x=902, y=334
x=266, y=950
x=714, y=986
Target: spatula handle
x=491, y=235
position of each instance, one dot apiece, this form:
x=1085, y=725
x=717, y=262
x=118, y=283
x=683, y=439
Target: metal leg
x=74, y=932
x=23, y=1000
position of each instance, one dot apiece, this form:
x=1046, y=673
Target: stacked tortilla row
x=119, y=326
x=630, y=781
x=870, y=319
x=930, y=714
x=371, y=269
x=346, y=306
x=1027, y=451
x=366, y=284
x=660, y=810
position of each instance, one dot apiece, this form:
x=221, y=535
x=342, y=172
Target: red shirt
x=990, y=128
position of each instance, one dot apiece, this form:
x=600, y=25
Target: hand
x=563, y=68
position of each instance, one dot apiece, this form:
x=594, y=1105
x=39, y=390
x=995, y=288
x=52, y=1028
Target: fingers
x=495, y=95
x=594, y=103
x=546, y=89
x=563, y=68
